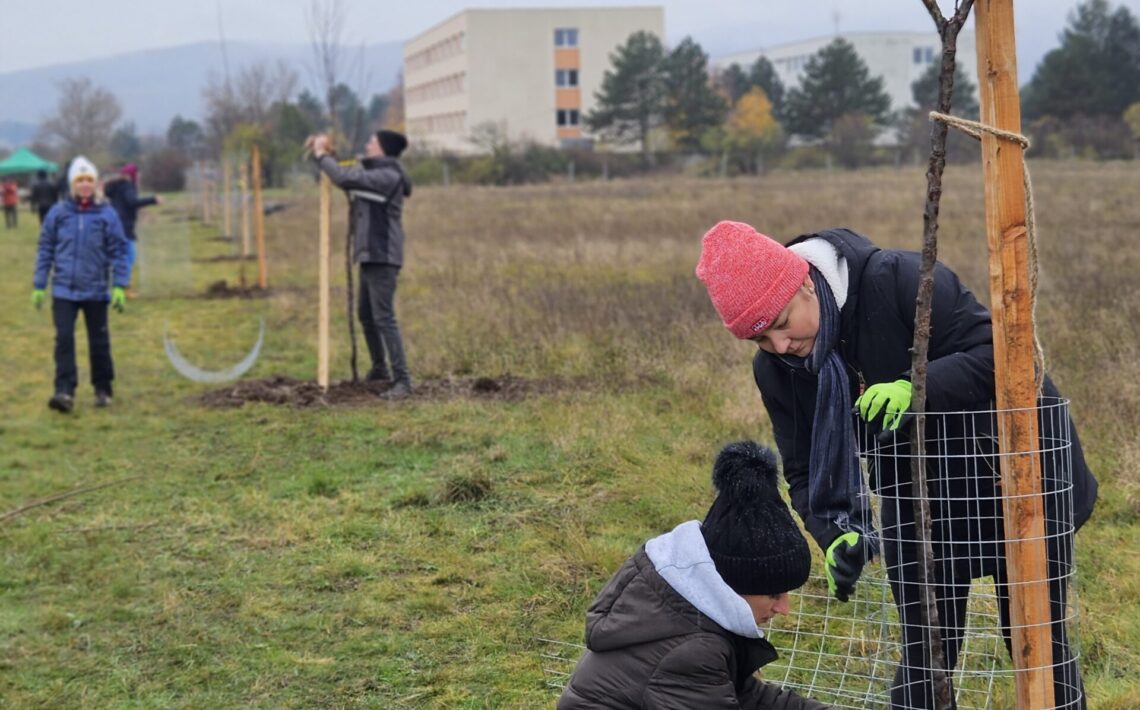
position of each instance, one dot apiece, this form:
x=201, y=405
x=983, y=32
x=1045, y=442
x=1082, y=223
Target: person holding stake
x=678, y=625
x=833, y=318
x=81, y=243
x=376, y=192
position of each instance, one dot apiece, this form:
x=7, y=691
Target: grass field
x=411, y=554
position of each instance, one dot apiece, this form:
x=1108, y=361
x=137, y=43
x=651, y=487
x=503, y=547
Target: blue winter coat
x=78, y=247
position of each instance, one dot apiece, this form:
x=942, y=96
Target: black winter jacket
x=876, y=334
x=650, y=648
x=124, y=197
x=376, y=190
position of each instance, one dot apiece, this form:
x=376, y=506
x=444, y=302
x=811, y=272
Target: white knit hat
x=81, y=166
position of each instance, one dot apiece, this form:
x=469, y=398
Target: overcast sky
x=42, y=32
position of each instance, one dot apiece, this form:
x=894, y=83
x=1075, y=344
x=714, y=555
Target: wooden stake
x=227, y=199
x=1016, y=391
x=259, y=219
x=323, y=284
x=243, y=185
x=207, y=203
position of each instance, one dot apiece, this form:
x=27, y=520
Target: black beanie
x=392, y=142
x=753, y=541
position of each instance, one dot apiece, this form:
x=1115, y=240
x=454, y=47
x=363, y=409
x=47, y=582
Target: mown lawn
x=412, y=554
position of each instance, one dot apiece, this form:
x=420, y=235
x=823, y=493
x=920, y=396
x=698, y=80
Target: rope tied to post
x=975, y=129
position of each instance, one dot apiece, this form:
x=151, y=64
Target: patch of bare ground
x=305, y=393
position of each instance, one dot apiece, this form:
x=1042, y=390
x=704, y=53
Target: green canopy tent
x=25, y=161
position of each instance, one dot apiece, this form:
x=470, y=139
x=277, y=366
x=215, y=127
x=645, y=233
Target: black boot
x=62, y=402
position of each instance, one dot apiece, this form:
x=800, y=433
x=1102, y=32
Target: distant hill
x=155, y=85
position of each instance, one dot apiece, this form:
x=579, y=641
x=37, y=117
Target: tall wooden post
x=227, y=199
x=1016, y=391
x=243, y=185
x=323, y=284
x=207, y=204
x=259, y=219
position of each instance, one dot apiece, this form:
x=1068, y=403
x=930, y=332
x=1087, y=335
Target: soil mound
x=305, y=393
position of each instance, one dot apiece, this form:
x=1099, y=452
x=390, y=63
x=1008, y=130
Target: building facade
x=532, y=73
x=899, y=57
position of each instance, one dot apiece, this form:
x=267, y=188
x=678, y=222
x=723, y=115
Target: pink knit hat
x=749, y=277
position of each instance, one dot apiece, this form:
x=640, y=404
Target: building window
x=566, y=37
x=566, y=77
x=929, y=55
x=918, y=55
x=567, y=117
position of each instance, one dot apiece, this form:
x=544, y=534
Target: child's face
x=766, y=606
x=794, y=330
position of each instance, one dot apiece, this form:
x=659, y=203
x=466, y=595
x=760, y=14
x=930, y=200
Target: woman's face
x=766, y=606
x=794, y=330
x=84, y=187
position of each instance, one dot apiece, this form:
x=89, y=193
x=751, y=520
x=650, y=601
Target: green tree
x=692, y=106
x=185, y=136
x=1095, y=71
x=631, y=100
x=763, y=75
x=1132, y=118
x=125, y=145
x=924, y=89
x=733, y=81
x=753, y=133
x=836, y=82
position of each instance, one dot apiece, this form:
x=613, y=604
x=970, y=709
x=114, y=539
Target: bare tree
x=84, y=120
x=326, y=19
x=248, y=99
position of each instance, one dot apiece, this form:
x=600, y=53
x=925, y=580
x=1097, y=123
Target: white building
x=532, y=72
x=899, y=57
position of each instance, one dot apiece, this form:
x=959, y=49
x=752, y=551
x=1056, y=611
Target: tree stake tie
x=974, y=129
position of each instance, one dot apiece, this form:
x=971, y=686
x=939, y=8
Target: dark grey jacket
x=376, y=189
x=648, y=647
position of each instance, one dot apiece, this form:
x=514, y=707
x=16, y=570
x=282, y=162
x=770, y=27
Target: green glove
x=891, y=397
x=118, y=298
x=39, y=295
x=844, y=563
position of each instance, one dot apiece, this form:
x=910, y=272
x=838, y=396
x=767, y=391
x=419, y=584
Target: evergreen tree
x=692, y=106
x=763, y=75
x=964, y=101
x=733, y=82
x=631, y=100
x=836, y=82
x=1095, y=71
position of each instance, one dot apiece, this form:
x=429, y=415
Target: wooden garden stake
x=227, y=199
x=323, y=284
x=259, y=219
x=243, y=185
x=1016, y=391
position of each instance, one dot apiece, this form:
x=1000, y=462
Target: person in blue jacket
x=84, y=250
x=123, y=194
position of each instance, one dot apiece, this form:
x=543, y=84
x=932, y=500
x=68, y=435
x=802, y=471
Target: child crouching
x=678, y=625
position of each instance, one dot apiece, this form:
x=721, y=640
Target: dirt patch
x=222, y=289
x=305, y=393
x=223, y=258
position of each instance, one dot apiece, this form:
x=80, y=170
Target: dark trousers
x=377, y=311
x=64, y=314
x=956, y=564
x=10, y=219
x=42, y=210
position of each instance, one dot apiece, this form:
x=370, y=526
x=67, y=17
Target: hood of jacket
x=671, y=590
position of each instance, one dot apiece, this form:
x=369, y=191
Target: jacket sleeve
x=354, y=177
x=758, y=695
x=695, y=674
x=45, y=252
x=961, y=366
x=117, y=250
x=791, y=426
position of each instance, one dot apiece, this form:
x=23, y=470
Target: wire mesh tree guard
x=852, y=654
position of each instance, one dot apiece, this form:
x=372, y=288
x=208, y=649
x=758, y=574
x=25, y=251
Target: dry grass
x=281, y=558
